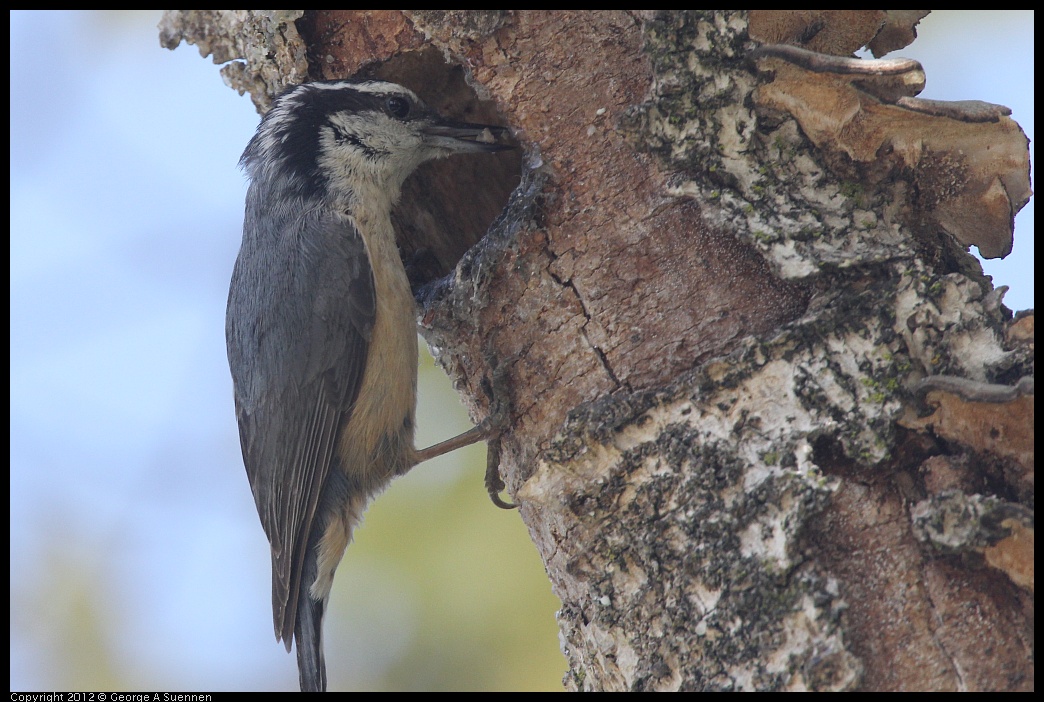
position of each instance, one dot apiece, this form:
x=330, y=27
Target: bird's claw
x=494, y=426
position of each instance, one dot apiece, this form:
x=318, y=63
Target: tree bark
x=770, y=426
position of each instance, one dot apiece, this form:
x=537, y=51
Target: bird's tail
x=308, y=626
x=308, y=633
x=326, y=546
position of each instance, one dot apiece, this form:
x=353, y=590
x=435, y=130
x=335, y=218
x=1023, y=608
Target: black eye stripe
x=344, y=137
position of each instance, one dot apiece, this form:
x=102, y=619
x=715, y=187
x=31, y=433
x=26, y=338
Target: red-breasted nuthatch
x=321, y=327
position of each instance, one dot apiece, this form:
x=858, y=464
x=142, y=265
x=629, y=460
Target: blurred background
x=137, y=559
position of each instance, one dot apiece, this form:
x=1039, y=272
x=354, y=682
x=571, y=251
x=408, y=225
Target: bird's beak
x=461, y=137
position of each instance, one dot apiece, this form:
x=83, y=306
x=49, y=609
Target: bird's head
x=342, y=137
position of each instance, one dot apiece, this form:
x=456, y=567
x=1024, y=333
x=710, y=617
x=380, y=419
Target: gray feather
x=300, y=313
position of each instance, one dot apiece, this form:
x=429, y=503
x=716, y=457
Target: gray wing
x=300, y=314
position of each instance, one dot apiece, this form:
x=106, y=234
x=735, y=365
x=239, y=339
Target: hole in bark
x=447, y=205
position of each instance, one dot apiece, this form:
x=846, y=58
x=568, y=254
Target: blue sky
x=133, y=534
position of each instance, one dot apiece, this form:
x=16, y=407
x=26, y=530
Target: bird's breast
x=377, y=441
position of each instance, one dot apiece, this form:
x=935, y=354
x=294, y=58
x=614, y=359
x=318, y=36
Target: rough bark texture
x=771, y=428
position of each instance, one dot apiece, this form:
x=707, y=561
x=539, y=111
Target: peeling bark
x=768, y=428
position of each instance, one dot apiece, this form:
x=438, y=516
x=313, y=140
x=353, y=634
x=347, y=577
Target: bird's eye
x=398, y=107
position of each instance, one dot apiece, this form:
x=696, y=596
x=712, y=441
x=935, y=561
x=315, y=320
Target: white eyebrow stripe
x=374, y=87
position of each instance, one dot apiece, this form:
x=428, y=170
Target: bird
x=321, y=327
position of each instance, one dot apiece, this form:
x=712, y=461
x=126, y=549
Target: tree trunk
x=770, y=426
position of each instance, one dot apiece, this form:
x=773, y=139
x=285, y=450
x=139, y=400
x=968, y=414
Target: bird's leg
x=482, y=432
x=489, y=430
